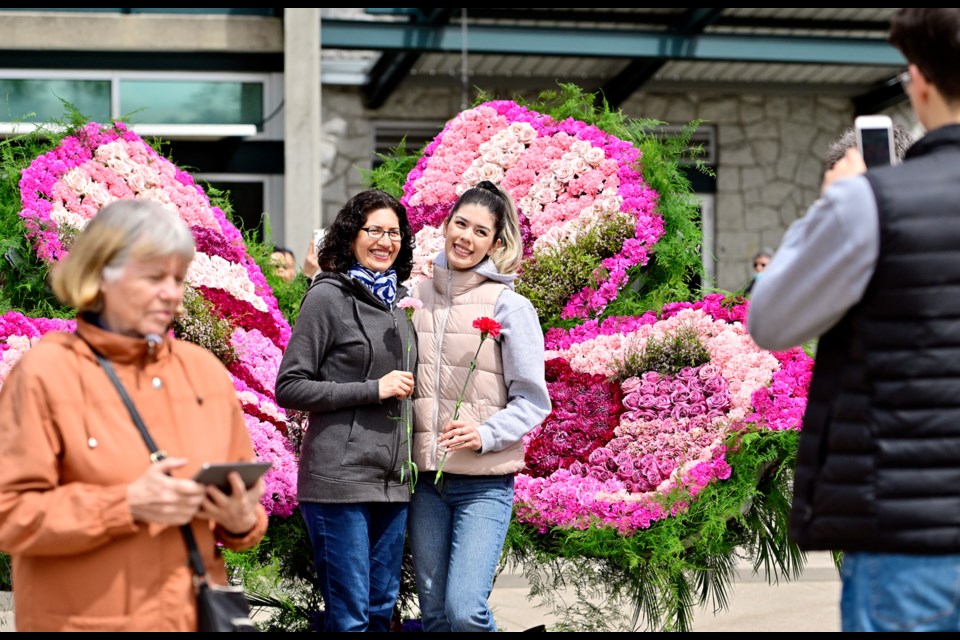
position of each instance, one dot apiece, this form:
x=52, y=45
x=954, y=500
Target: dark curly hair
x=336, y=249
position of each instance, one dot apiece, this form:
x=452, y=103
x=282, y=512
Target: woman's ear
x=496, y=245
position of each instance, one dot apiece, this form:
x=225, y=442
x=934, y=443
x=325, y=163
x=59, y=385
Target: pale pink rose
x=524, y=132
x=708, y=371
x=563, y=171
x=115, y=156
x=471, y=176
x=77, y=180
x=551, y=238
x=506, y=159
x=491, y=172
x=580, y=166
x=630, y=385
x=545, y=196
x=594, y=155
x=489, y=152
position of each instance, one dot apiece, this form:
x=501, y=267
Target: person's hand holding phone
x=158, y=497
x=237, y=511
x=310, y=264
x=851, y=164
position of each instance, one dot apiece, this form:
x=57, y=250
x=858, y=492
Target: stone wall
x=770, y=152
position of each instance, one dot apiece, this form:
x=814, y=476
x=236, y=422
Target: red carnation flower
x=487, y=326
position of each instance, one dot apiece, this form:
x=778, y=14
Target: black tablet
x=216, y=474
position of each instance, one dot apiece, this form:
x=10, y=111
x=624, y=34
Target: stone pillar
x=301, y=129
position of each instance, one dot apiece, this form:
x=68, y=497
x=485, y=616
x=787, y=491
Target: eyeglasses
x=904, y=79
x=376, y=233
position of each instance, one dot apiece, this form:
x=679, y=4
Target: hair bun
x=486, y=185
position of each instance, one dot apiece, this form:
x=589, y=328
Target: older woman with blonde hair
x=91, y=519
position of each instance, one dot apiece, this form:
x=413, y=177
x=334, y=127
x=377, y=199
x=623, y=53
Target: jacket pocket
x=371, y=442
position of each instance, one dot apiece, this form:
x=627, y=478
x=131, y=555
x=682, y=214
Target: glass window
x=24, y=100
x=247, y=200
x=191, y=102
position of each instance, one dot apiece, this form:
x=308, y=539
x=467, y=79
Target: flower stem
x=406, y=409
x=456, y=407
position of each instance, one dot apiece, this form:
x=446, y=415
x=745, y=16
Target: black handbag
x=219, y=608
x=222, y=608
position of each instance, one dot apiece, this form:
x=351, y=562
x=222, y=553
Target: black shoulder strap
x=156, y=455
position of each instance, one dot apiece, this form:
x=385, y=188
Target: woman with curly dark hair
x=345, y=365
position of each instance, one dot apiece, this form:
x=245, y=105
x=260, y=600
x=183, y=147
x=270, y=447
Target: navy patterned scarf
x=382, y=285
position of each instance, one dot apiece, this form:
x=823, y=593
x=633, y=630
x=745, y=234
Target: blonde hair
x=508, y=256
x=123, y=229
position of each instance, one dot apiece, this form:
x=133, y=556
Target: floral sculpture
x=669, y=441
x=617, y=443
x=230, y=307
x=571, y=182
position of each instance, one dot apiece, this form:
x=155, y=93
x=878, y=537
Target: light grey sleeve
x=821, y=269
x=522, y=351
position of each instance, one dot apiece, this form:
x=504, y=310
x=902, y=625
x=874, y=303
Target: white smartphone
x=318, y=236
x=875, y=140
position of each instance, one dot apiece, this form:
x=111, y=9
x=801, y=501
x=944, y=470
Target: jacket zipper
x=399, y=432
x=379, y=304
x=436, y=373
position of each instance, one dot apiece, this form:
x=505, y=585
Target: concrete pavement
x=810, y=603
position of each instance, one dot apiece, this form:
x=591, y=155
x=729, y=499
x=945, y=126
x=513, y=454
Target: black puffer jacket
x=879, y=460
x=343, y=342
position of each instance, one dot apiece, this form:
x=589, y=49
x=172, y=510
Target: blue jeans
x=358, y=550
x=897, y=592
x=457, y=531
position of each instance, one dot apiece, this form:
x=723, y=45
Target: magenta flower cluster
x=565, y=177
x=693, y=392
x=782, y=405
x=668, y=432
x=716, y=305
x=586, y=410
x=64, y=188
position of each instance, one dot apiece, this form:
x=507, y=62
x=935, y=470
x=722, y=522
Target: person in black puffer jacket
x=873, y=269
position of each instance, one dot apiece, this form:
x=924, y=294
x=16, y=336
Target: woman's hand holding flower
x=458, y=435
x=396, y=384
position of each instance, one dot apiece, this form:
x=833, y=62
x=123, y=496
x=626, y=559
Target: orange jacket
x=68, y=451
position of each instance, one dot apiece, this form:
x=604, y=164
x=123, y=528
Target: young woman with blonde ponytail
x=459, y=519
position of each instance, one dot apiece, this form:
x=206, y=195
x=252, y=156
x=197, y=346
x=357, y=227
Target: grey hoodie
x=343, y=342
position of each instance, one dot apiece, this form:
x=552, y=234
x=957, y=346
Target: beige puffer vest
x=447, y=342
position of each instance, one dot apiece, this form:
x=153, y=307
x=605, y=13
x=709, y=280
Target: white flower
x=491, y=172
x=217, y=273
